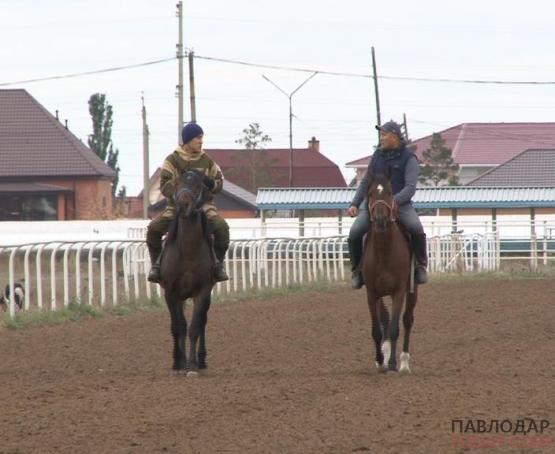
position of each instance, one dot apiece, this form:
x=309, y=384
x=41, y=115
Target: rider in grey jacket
x=402, y=164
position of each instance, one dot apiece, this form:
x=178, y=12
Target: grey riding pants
x=407, y=215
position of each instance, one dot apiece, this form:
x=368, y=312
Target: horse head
x=381, y=203
x=190, y=193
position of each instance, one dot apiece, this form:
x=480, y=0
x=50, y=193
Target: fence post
x=53, y=276
x=544, y=252
x=27, y=277
x=11, y=302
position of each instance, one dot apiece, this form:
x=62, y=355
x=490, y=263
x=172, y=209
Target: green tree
x=438, y=164
x=100, y=141
x=122, y=193
x=253, y=160
x=253, y=138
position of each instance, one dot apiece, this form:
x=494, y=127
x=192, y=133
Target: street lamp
x=289, y=96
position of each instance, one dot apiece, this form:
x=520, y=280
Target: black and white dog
x=19, y=296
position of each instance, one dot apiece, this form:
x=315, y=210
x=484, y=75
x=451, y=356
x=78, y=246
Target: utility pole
x=376, y=92
x=191, y=56
x=146, y=175
x=289, y=96
x=179, y=14
x=405, y=127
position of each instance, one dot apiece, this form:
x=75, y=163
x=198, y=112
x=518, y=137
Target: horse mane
x=172, y=235
x=377, y=179
x=173, y=230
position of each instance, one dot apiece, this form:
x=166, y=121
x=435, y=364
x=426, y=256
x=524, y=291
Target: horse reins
x=180, y=191
x=391, y=209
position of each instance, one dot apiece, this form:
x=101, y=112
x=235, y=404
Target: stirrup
x=154, y=275
x=220, y=274
x=420, y=275
x=356, y=280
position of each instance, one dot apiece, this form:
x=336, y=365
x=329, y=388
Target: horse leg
x=202, y=339
x=408, y=319
x=198, y=320
x=398, y=299
x=384, y=319
x=373, y=301
x=178, y=330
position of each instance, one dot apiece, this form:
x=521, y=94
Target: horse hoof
x=381, y=368
x=192, y=374
x=405, y=358
x=386, y=351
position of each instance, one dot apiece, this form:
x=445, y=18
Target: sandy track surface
x=286, y=375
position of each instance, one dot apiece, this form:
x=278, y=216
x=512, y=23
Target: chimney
x=57, y=117
x=66, y=123
x=314, y=145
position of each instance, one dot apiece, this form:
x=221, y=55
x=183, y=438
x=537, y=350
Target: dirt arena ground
x=288, y=375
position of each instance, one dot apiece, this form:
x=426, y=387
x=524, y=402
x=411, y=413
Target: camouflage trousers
x=159, y=226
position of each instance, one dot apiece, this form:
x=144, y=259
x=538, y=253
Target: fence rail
x=55, y=274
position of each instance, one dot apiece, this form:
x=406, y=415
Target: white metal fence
x=56, y=274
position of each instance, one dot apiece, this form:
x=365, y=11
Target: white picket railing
x=98, y=273
x=54, y=274
x=456, y=252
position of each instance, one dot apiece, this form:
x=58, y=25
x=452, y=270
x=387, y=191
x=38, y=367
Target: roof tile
x=34, y=143
x=486, y=144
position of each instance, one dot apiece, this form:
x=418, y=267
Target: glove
x=209, y=182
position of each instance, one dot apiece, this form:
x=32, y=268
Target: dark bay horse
x=187, y=272
x=386, y=269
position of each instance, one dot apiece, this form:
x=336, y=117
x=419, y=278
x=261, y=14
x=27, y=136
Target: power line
x=88, y=73
x=369, y=76
x=286, y=68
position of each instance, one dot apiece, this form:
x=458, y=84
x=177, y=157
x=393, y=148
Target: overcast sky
x=472, y=40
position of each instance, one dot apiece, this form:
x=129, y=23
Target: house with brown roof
x=530, y=168
x=232, y=202
x=46, y=172
x=479, y=147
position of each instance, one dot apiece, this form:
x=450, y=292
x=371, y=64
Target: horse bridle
x=197, y=200
x=391, y=209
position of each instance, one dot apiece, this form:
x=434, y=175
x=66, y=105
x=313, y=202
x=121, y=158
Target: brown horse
x=386, y=269
x=187, y=272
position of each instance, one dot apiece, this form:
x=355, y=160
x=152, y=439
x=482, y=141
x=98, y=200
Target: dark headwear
x=393, y=127
x=190, y=131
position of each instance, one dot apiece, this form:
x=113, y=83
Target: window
x=29, y=208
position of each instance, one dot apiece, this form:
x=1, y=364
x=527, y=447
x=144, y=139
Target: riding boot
x=154, y=275
x=219, y=269
x=355, y=254
x=421, y=255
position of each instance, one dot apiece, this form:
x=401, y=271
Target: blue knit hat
x=190, y=131
x=393, y=127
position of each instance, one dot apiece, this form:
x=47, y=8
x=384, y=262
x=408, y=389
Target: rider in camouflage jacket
x=186, y=157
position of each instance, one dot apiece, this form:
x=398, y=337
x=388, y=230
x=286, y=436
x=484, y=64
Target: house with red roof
x=479, y=147
x=245, y=171
x=278, y=167
x=46, y=172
